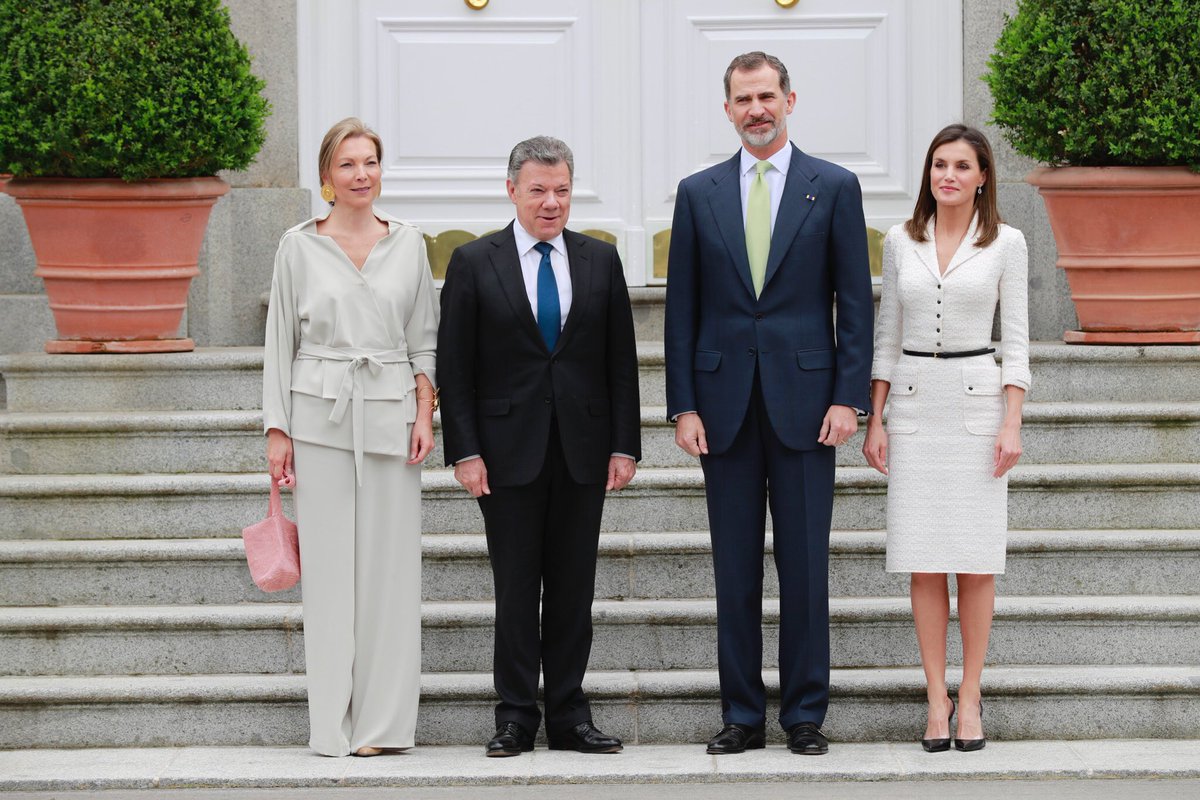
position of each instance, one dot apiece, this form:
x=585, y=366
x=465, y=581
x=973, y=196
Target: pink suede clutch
x=273, y=548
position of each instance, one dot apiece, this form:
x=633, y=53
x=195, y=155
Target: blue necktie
x=549, y=315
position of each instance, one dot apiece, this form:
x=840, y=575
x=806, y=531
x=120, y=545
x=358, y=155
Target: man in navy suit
x=763, y=384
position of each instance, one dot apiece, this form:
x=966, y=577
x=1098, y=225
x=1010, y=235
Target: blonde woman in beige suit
x=953, y=416
x=348, y=401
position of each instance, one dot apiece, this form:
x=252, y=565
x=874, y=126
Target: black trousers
x=758, y=471
x=542, y=539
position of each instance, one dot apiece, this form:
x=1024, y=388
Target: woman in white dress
x=953, y=416
x=348, y=401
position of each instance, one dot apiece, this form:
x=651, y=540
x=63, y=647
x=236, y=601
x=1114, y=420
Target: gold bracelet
x=434, y=401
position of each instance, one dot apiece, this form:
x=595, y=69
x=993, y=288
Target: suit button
x=555, y=360
x=758, y=317
x=939, y=344
x=750, y=352
x=547, y=400
x=939, y=286
x=939, y=316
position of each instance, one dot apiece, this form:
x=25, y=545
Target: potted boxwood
x=114, y=118
x=1107, y=92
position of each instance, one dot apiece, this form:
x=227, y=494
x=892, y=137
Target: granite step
x=1134, y=769
x=628, y=635
x=232, y=441
x=655, y=566
x=677, y=706
x=1064, y=496
x=1061, y=373
x=231, y=378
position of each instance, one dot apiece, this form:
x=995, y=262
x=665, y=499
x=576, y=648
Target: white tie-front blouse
x=342, y=344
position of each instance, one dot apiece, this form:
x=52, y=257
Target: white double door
x=634, y=87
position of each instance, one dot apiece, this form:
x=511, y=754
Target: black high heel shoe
x=940, y=745
x=971, y=745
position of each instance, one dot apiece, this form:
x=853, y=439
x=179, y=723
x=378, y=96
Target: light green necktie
x=758, y=227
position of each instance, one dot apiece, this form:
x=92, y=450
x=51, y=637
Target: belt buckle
x=938, y=355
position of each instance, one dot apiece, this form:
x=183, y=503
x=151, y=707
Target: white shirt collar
x=781, y=160
x=526, y=240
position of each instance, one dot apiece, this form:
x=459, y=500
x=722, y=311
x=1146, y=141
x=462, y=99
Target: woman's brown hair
x=985, y=202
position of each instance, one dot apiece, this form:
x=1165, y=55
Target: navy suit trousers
x=757, y=471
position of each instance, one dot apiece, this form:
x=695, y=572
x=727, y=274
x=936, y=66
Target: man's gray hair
x=544, y=150
x=754, y=60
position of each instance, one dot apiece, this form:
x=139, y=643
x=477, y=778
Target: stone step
x=628, y=635
x=91, y=442
x=232, y=441
x=655, y=566
x=1031, y=768
x=666, y=499
x=207, y=378
x=1061, y=373
x=231, y=378
x=882, y=704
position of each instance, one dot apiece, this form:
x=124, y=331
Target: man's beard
x=761, y=139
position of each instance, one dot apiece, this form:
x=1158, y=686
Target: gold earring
x=327, y=193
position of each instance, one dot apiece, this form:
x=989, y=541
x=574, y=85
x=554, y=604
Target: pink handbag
x=273, y=548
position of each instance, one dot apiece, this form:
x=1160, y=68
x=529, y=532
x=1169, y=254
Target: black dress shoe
x=806, y=739
x=510, y=740
x=939, y=745
x=737, y=738
x=971, y=745
x=585, y=738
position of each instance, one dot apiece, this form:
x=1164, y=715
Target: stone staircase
x=127, y=617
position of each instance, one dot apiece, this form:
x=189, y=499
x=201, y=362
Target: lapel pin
x=810, y=197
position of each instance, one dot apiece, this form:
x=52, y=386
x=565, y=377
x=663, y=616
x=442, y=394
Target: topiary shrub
x=130, y=89
x=1100, y=82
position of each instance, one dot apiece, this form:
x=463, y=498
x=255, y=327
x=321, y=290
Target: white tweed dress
x=945, y=511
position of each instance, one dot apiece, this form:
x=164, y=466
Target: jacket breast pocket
x=982, y=400
x=901, y=413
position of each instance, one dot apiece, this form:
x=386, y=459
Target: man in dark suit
x=763, y=384
x=540, y=415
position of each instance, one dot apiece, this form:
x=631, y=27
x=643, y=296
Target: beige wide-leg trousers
x=360, y=567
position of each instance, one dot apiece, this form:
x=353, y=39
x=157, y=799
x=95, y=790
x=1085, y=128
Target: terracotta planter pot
x=117, y=258
x=1129, y=239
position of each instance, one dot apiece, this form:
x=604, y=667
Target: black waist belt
x=983, y=351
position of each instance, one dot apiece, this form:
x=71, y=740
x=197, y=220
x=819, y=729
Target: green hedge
x=1100, y=82
x=132, y=89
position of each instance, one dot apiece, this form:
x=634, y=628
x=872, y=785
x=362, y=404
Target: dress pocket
x=983, y=401
x=901, y=412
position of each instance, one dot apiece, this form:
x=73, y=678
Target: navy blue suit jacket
x=717, y=332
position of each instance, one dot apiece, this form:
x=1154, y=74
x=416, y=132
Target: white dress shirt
x=774, y=177
x=531, y=261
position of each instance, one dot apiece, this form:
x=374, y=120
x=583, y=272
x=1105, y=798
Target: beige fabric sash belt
x=351, y=392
